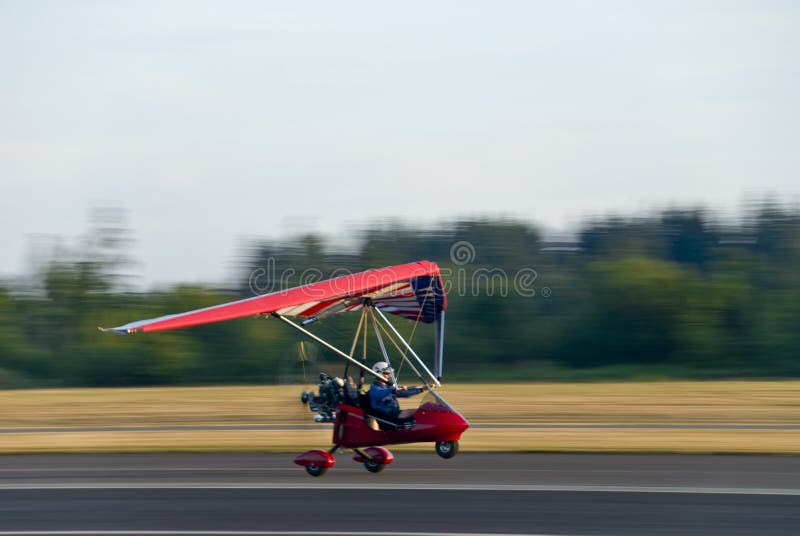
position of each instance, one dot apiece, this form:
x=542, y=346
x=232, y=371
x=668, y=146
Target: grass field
x=561, y=406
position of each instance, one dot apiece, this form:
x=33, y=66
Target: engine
x=332, y=391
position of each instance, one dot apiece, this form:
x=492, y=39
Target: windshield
x=432, y=401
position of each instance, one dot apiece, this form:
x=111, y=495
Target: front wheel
x=447, y=449
x=373, y=466
x=316, y=470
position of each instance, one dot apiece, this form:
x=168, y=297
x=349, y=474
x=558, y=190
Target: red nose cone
x=464, y=422
x=460, y=421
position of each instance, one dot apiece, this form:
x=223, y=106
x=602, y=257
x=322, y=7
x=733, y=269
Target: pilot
x=383, y=396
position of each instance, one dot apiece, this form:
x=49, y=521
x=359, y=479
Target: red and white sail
x=414, y=290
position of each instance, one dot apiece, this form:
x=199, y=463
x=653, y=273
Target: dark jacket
x=383, y=398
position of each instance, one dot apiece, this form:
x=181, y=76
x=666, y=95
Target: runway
x=294, y=427
x=547, y=494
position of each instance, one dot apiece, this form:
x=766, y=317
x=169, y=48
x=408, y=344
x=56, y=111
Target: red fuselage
x=432, y=423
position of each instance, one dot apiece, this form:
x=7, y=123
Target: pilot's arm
x=404, y=392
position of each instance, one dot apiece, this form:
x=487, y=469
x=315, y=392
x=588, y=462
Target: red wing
x=413, y=290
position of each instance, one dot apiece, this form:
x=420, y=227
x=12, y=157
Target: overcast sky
x=214, y=121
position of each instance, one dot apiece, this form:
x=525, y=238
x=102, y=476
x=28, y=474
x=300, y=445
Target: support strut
x=326, y=344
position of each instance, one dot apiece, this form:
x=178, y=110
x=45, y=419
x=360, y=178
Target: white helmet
x=380, y=366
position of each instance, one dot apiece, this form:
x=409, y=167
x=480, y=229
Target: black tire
x=447, y=449
x=314, y=470
x=374, y=467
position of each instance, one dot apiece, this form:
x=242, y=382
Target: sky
x=211, y=123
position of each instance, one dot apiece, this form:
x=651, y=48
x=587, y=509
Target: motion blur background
x=676, y=294
x=610, y=188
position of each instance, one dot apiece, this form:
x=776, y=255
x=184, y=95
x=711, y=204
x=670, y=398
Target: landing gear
x=375, y=459
x=316, y=462
x=315, y=470
x=373, y=466
x=447, y=449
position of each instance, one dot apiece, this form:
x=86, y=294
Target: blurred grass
x=567, y=404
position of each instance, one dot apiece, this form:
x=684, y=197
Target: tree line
x=676, y=294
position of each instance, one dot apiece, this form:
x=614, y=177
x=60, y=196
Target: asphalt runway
x=547, y=494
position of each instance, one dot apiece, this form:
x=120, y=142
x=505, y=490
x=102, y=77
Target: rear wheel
x=447, y=449
x=373, y=466
x=315, y=470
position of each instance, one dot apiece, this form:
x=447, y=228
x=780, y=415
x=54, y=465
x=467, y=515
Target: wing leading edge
x=414, y=290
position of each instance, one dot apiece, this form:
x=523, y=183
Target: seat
x=363, y=402
x=350, y=393
x=403, y=421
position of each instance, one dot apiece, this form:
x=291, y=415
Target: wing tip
x=119, y=331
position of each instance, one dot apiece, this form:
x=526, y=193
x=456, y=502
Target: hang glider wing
x=413, y=290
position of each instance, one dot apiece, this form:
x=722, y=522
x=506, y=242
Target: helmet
x=380, y=366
